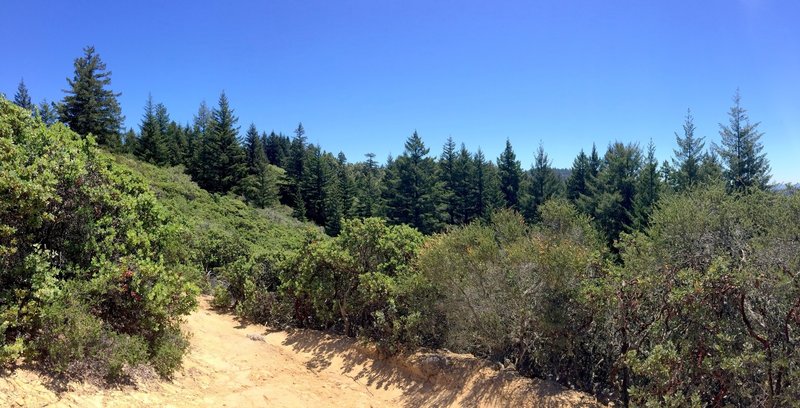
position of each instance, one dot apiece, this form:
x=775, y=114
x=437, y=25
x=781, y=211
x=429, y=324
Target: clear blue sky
x=363, y=75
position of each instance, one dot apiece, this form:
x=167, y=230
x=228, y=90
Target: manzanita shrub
x=88, y=283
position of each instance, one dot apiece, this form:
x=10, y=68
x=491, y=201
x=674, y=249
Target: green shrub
x=518, y=293
x=89, y=260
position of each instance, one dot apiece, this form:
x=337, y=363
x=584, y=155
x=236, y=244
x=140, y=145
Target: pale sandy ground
x=231, y=365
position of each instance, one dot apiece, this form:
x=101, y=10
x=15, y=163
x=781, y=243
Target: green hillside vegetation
x=644, y=284
x=90, y=280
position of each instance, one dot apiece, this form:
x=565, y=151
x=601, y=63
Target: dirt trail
x=230, y=365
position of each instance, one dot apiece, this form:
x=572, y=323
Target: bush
x=707, y=305
x=89, y=270
x=520, y=294
x=361, y=283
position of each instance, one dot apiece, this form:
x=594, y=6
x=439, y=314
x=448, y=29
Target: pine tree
x=464, y=187
x=368, y=188
x=578, y=180
x=411, y=195
x=648, y=189
x=616, y=184
x=260, y=186
x=346, y=185
x=90, y=107
x=447, y=179
x=688, y=156
x=130, y=142
x=201, y=125
x=22, y=98
x=278, y=147
x=745, y=166
x=482, y=202
x=544, y=185
x=314, y=185
x=152, y=146
x=46, y=112
x=221, y=162
x=594, y=162
x=177, y=143
x=710, y=168
x=292, y=193
x=510, y=176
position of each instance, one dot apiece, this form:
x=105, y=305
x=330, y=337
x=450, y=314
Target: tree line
x=618, y=188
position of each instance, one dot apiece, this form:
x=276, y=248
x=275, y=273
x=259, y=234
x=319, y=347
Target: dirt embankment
x=242, y=366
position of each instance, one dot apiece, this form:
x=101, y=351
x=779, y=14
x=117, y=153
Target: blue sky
x=363, y=75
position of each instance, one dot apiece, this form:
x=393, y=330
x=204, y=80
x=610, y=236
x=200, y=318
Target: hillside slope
x=235, y=365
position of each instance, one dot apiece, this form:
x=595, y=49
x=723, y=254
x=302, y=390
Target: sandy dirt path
x=233, y=365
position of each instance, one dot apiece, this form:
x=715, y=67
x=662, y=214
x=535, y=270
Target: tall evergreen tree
x=292, y=193
x=745, y=165
x=130, y=142
x=447, y=180
x=89, y=106
x=411, y=195
x=152, y=145
x=278, y=147
x=346, y=185
x=464, y=185
x=22, y=98
x=46, y=112
x=201, y=125
x=368, y=187
x=177, y=143
x=544, y=185
x=688, y=156
x=222, y=161
x=260, y=186
x=616, y=183
x=711, y=168
x=253, y=147
x=482, y=201
x=510, y=176
x=648, y=189
x=578, y=180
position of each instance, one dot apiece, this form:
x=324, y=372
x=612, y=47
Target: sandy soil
x=232, y=365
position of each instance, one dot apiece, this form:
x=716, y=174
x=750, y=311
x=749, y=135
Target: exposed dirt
x=242, y=366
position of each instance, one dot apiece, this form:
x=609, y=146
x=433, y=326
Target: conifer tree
x=201, y=125
x=46, y=112
x=648, y=189
x=510, y=176
x=688, y=156
x=578, y=180
x=292, y=193
x=152, y=146
x=447, y=181
x=544, y=185
x=463, y=182
x=368, y=185
x=260, y=186
x=221, y=163
x=482, y=200
x=745, y=165
x=22, y=98
x=278, y=147
x=710, y=168
x=616, y=184
x=89, y=106
x=346, y=186
x=315, y=186
x=594, y=162
x=177, y=143
x=130, y=142
x=411, y=195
